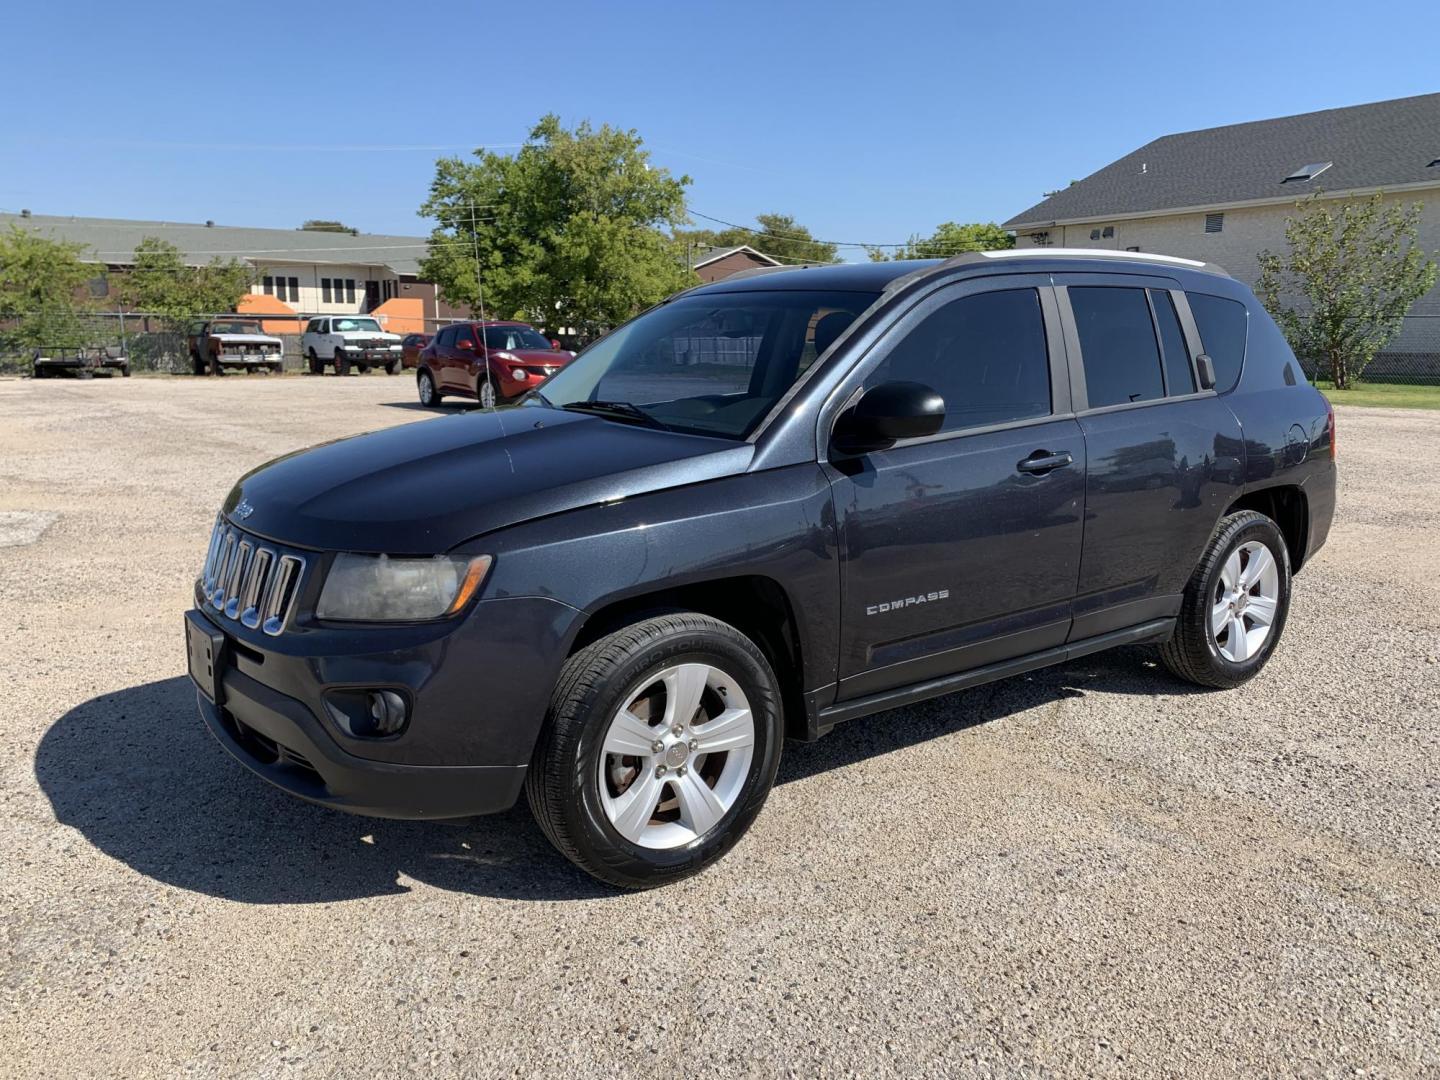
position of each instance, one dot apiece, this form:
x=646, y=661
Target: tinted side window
x=1117, y=342
x=985, y=354
x=1222, y=325
x=446, y=337
x=1179, y=379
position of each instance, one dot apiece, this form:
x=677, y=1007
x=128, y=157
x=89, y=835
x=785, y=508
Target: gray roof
x=113, y=241
x=709, y=255
x=1383, y=144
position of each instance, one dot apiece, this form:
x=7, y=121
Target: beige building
x=1223, y=194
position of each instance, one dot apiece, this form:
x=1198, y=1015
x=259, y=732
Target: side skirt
x=827, y=718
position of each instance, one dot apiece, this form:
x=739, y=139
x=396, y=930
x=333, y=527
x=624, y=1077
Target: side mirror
x=1205, y=367
x=466, y=344
x=888, y=413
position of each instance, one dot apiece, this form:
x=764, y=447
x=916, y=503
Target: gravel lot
x=1091, y=870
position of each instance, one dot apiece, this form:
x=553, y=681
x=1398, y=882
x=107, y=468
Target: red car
x=410, y=346
x=456, y=360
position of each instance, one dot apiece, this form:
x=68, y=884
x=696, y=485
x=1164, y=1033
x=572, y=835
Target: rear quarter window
x=1223, y=325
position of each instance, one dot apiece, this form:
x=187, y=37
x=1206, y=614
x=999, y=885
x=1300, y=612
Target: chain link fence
x=1410, y=358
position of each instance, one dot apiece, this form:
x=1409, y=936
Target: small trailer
x=84, y=362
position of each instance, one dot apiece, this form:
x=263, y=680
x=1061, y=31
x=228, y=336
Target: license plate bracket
x=206, y=649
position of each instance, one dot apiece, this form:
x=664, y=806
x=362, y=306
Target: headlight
x=384, y=588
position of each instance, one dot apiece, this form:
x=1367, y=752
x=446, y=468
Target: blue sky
x=868, y=122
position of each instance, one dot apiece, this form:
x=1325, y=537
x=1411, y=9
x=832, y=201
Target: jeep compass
x=764, y=507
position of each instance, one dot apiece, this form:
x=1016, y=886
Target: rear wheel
x=429, y=392
x=342, y=363
x=659, y=748
x=1234, y=607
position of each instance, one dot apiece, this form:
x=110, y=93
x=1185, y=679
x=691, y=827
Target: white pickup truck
x=349, y=341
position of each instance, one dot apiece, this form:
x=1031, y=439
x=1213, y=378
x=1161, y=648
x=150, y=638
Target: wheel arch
x=756, y=605
x=1288, y=507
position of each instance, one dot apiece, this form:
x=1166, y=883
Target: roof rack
x=973, y=257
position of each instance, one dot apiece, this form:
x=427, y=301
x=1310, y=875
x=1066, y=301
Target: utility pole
x=480, y=304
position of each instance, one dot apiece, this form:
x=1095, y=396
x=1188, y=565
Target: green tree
x=42, y=289
x=568, y=231
x=160, y=283
x=322, y=225
x=1342, y=288
x=779, y=235
x=949, y=239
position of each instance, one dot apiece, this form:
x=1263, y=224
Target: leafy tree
x=951, y=238
x=42, y=284
x=567, y=231
x=1353, y=270
x=160, y=283
x=779, y=236
x=321, y=225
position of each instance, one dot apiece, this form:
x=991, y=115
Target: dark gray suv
x=764, y=507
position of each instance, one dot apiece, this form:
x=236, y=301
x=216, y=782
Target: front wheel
x=390, y=368
x=1234, y=607
x=429, y=394
x=658, y=751
x=317, y=366
x=342, y=363
x=485, y=391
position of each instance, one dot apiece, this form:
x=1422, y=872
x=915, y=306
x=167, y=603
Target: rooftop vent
x=1307, y=172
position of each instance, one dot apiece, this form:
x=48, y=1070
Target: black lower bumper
x=280, y=740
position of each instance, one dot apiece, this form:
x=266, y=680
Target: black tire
x=317, y=366
x=216, y=368
x=429, y=392
x=1193, y=653
x=125, y=371
x=276, y=369
x=390, y=368
x=342, y=363
x=562, y=783
x=485, y=393
x=363, y=369
x=197, y=364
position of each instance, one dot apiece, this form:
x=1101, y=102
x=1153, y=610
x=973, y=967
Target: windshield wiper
x=618, y=410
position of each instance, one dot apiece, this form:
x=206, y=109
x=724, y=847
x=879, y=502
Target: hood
x=372, y=335
x=247, y=339
x=536, y=357
x=422, y=488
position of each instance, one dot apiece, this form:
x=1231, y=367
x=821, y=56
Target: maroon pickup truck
x=235, y=343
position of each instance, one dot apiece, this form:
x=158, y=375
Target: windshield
x=710, y=365
x=514, y=337
x=235, y=327
x=341, y=325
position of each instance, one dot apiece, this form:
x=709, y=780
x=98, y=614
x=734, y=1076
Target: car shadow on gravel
x=138, y=775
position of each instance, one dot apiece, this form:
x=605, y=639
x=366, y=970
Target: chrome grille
x=245, y=580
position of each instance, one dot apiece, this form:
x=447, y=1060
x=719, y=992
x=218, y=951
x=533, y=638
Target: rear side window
x=1222, y=324
x=984, y=354
x=1179, y=379
x=1117, y=342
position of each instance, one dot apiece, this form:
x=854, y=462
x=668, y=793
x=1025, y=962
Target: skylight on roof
x=1307, y=172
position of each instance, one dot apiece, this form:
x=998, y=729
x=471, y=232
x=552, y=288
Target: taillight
x=1330, y=424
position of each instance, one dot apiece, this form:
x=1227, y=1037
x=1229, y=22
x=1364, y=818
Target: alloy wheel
x=676, y=755
x=1246, y=599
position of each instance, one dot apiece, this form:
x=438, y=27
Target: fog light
x=387, y=711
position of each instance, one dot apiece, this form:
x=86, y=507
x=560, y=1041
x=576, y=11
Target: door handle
x=1043, y=461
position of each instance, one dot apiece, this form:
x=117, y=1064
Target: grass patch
x=1387, y=395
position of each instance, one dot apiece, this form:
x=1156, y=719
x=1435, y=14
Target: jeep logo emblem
x=244, y=510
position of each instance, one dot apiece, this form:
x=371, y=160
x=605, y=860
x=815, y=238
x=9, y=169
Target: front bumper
x=279, y=740
x=469, y=736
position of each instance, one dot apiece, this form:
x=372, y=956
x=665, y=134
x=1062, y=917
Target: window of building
x=1117, y=343
x=267, y=285
x=325, y=289
x=1214, y=222
x=1222, y=324
x=349, y=290
x=984, y=354
x=294, y=289
x=1108, y=231
x=1094, y=234
x=1179, y=377
x=1307, y=172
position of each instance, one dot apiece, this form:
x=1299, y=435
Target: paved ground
x=1093, y=870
